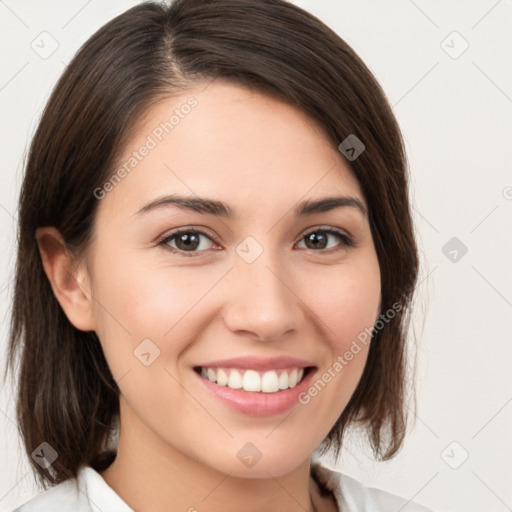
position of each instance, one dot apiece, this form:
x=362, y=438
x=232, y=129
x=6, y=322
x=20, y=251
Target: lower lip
x=256, y=403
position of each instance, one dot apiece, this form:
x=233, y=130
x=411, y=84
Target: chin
x=275, y=465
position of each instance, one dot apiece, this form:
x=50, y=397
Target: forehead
x=224, y=141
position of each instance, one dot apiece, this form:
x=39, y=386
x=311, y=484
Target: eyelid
x=328, y=228
x=347, y=240
x=162, y=240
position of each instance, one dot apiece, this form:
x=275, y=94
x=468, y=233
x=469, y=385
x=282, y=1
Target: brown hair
x=66, y=394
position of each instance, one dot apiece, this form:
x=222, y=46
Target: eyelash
x=347, y=242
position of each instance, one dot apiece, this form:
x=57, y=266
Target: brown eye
x=319, y=239
x=186, y=241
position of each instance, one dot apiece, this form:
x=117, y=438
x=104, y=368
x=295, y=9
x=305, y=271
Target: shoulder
x=85, y=493
x=353, y=496
x=64, y=497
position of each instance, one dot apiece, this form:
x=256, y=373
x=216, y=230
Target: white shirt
x=90, y=493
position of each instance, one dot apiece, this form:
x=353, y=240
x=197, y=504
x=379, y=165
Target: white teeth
x=270, y=382
x=292, y=379
x=235, y=380
x=222, y=377
x=252, y=380
x=283, y=381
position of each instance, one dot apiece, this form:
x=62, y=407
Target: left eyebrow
x=218, y=208
x=329, y=203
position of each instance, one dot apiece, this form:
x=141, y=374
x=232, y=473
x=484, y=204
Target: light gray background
x=456, y=115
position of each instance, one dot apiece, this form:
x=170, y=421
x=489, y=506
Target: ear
x=69, y=282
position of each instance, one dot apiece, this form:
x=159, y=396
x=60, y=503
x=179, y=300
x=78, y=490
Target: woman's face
x=264, y=283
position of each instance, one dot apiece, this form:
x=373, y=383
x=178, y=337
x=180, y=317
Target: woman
x=216, y=260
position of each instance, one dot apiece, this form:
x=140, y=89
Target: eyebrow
x=218, y=208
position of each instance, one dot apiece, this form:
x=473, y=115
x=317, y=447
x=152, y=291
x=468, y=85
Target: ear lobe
x=69, y=282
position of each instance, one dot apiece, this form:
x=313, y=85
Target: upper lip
x=259, y=363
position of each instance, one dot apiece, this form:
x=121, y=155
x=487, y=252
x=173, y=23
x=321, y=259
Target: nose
x=262, y=302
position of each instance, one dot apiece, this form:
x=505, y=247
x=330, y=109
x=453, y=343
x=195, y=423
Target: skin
x=178, y=445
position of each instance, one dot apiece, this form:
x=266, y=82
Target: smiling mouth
x=271, y=381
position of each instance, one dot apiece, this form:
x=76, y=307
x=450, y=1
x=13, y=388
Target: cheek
x=136, y=301
x=347, y=308
x=144, y=323
x=349, y=303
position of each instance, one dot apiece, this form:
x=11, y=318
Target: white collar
x=102, y=498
